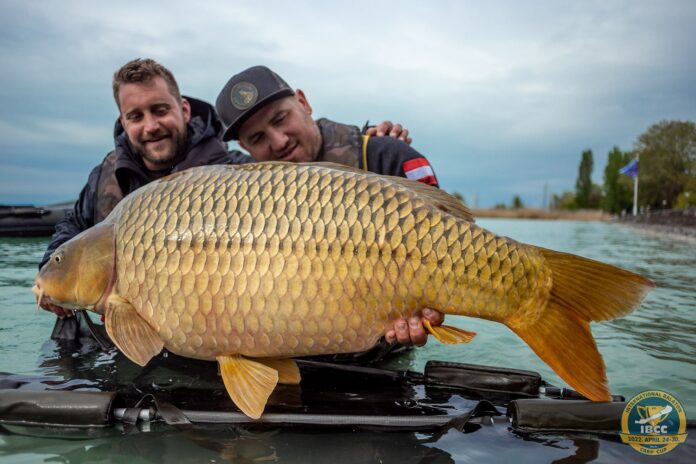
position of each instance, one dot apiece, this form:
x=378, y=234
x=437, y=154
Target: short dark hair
x=142, y=70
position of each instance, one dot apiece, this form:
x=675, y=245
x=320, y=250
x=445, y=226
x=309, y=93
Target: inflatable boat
x=31, y=221
x=514, y=410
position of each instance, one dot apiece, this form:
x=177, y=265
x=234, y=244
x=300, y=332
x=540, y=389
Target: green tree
x=617, y=187
x=595, y=196
x=566, y=200
x=583, y=186
x=667, y=160
x=517, y=202
x=686, y=200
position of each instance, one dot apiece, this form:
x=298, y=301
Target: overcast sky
x=502, y=97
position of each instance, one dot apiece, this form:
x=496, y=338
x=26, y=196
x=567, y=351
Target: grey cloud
x=499, y=95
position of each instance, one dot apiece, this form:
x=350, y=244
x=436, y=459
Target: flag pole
x=635, y=192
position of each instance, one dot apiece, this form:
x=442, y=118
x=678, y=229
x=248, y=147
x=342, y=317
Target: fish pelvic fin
x=248, y=382
x=447, y=334
x=288, y=371
x=130, y=332
x=582, y=291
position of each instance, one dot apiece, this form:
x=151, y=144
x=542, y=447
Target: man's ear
x=185, y=109
x=302, y=100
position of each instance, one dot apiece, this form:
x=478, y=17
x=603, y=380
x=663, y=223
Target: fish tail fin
x=582, y=290
x=596, y=291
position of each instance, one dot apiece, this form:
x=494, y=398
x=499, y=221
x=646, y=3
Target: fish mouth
x=41, y=296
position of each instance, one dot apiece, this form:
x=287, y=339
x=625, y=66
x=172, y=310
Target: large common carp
x=252, y=265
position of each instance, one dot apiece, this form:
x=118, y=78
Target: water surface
x=652, y=348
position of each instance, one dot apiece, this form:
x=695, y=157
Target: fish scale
x=254, y=264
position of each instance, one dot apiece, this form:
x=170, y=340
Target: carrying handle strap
x=166, y=411
x=365, y=138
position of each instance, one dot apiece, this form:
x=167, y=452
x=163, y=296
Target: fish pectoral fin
x=131, y=334
x=288, y=372
x=248, y=382
x=447, y=334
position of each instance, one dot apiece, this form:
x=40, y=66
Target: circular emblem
x=653, y=422
x=243, y=95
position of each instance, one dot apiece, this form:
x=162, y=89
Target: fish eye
x=58, y=258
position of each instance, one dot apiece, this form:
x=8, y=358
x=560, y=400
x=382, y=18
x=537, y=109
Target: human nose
x=151, y=123
x=278, y=140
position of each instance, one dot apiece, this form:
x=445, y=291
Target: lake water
x=652, y=348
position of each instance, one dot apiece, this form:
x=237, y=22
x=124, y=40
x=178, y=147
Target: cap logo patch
x=243, y=95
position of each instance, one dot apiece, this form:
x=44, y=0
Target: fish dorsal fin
x=447, y=334
x=288, y=372
x=442, y=200
x=130, y=332
x=249, y=383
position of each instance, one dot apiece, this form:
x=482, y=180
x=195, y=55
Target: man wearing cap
x=273, y=122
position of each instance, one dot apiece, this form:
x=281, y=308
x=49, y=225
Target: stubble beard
x=177, y=153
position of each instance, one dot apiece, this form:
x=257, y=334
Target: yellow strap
x=364, y=151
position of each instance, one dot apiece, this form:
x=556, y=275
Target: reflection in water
x=585, y=449
x=163, y=444
x=232, y=444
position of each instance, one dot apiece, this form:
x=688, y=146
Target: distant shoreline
x=662, y=230
x=538, y=213
x=675, y=223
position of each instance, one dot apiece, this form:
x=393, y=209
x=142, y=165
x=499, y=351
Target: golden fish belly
x=288, y=260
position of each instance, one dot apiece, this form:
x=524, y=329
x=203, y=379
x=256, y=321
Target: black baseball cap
x=246, y=93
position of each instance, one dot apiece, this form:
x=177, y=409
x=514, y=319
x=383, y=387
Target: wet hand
x=411, y=331
x=392, y=130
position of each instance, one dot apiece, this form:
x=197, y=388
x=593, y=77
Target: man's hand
x=412, y=331
x=392, y=130
x=57, y=310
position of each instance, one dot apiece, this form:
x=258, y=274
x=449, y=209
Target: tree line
x=666, y=173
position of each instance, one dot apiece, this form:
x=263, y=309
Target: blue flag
x=631, y=169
